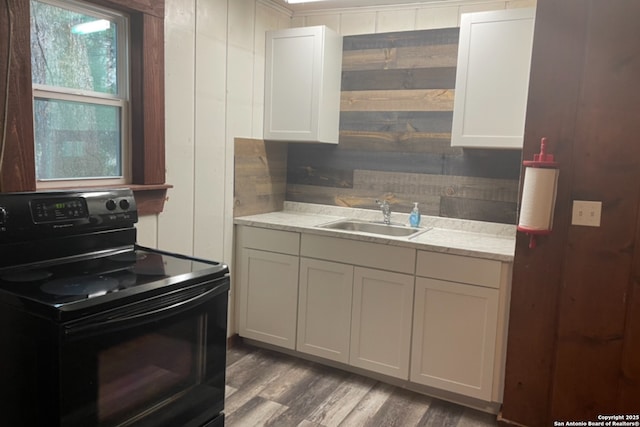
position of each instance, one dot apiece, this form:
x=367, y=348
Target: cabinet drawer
x=286, y=242
x=456, y=268
x=365, y=254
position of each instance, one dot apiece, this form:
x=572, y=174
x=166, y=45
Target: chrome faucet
x=386, y=210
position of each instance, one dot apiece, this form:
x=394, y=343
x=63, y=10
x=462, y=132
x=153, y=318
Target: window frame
x=17, y=151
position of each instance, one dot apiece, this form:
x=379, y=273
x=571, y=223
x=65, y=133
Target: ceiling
x=341, y=4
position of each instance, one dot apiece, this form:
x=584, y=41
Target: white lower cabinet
x=268, y=286
x=355, y=315
x=381, y=321
x=324, y=309
x=270, y=295
x=428, y=318
x=454, y=337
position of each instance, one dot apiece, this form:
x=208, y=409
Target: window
x=79, y=71
x=146, y=100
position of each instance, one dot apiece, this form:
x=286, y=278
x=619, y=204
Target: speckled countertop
x=455, y=236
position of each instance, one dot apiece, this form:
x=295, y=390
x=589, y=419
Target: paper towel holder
x=541, y=160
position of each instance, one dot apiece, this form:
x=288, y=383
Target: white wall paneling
x=332, y=21
x=407, y=17
x=358, y=23
x=214, y=65
x=437, y=17
x=396, y=20
x=175, y=224
x=210, y=163
x=147, y=231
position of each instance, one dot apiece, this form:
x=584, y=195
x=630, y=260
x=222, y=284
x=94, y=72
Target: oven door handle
x=145, y=313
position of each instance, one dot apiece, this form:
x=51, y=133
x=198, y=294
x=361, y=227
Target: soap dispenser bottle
x=414, y=217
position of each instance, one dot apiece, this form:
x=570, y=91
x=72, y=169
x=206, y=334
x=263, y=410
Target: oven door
x=158, y=362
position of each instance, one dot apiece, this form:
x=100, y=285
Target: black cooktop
x=81, y=287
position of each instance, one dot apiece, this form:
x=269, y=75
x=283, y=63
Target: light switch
x=586, y=213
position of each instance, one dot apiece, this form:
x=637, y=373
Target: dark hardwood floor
x=267, y=388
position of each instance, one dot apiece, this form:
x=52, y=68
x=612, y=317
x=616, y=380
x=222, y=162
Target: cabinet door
x=492, y=79
x=268, y=297
x=454, y=337
x=324, y=309
x=381, y=321
x=302, y=84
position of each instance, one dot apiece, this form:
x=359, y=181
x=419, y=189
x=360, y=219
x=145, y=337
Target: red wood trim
x=18, y=168
x=153, y=93
x=147, y=97
x=150, y=198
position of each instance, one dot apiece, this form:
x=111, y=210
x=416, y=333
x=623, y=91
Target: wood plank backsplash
x=395, y=133
x=260, y=176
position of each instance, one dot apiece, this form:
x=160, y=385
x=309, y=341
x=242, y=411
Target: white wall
x=212, y=76
x=416, y=16
x=214, y=73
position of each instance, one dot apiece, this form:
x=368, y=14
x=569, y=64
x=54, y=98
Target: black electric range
x=96, y=330
x=70, y=290
x=66, y=254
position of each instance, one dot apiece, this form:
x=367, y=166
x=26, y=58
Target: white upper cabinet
x=492, y=81
x=302, y=85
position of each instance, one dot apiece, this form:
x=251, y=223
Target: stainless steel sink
x=373, y=228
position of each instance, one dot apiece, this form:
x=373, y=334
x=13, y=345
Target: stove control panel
x=58, y=209
x=66, y=212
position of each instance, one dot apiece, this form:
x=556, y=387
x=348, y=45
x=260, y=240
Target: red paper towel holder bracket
x=541, y=160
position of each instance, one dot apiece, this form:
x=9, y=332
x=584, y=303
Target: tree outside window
x=80, y=82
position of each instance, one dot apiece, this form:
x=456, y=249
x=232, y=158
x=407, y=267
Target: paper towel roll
x=538, y=198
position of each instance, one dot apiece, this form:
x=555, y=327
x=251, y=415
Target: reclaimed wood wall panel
x=260, y=177
x=444, y=36
x=425, y=122
x=502, y=164
x=397, y=131
x=397, y=100
x=486, y=210
x=369, y=59
x=395, y=136
x=396, y=141
x=437, y=185
x=430, y=57
x=308, y=163
x=397, y=79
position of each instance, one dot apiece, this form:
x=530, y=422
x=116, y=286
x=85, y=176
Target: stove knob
x=124, y=204
x=111, y=204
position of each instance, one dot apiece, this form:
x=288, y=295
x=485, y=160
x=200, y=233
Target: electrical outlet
x=586, y=213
